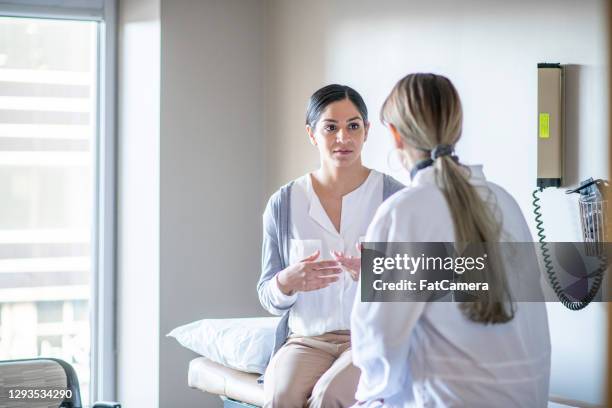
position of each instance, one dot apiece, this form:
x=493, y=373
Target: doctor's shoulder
x=503, y=198
x=503, y=203
x=509, y=212
x=414, y=197
x=410, y=202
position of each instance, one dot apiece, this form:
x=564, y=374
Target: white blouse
x=430, y=354
x=320, y=311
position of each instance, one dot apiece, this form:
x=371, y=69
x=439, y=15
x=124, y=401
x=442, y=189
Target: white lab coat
x=430, y=354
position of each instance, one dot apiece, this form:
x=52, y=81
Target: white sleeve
x=278, y=298
x=380, y=333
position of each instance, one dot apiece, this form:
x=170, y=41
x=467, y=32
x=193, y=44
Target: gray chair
x=55, y=380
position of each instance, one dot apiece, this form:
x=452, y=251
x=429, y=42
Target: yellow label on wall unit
x=544, y=125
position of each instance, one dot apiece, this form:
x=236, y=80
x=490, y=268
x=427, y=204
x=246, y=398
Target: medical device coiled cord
x=550, y=270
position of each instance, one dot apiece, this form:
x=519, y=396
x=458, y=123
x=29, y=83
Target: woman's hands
x=308, y=274
x=351, y=263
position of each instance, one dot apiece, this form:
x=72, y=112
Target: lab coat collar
x=427, y=175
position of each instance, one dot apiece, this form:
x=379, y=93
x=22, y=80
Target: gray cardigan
x=275, y=250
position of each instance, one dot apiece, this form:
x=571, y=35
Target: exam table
x=237, y=389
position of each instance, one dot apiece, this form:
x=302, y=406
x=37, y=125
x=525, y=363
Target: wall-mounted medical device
x=550, y=125
x=592, y=202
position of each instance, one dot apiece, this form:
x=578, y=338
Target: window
x=80, y=310
x=56, y=187
x=50, y=312
x=48, y=110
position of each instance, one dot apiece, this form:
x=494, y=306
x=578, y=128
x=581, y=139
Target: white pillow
x=244, y=344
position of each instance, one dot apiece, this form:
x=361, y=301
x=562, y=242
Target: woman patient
x=489, y=353
x=312, y=226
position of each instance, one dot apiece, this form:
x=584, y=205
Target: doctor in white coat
x=480, y=354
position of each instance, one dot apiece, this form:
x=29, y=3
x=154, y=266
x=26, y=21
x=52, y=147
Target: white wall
x=138, y=203
x=489, y=49
x=211, y=174
x=190, y=183
x=294, y=66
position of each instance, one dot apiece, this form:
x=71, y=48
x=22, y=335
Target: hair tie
x=438, y=151
x=441, y=150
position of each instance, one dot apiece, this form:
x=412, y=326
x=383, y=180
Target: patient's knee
x=285, y=395
x=333, y=396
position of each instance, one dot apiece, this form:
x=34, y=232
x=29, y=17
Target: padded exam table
x=237, y=389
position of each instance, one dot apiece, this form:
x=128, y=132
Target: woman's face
x=339, y=134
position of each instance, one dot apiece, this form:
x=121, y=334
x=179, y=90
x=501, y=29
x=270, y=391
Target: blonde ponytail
x=426, y=111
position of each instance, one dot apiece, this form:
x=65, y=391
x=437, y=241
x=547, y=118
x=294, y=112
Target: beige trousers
x=312, y=372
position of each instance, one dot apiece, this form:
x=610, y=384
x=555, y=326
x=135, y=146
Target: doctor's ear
x=397, y=138
x=367, y=130
x=310, y=132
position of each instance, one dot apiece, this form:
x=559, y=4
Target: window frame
x=104, y=227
